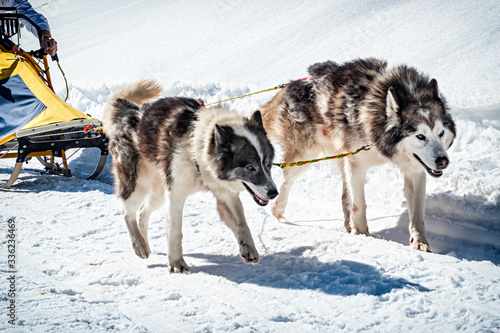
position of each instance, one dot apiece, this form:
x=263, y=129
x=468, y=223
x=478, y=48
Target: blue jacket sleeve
x=24, y=7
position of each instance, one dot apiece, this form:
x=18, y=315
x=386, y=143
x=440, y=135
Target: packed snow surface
x=76, y=270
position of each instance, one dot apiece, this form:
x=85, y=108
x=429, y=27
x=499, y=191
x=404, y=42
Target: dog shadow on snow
x=291, y=270
x=468, y=231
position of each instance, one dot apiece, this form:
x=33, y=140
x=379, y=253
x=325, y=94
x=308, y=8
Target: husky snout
x=272, y=193
x=264, y=192
x=272, y=190
x=442, y=162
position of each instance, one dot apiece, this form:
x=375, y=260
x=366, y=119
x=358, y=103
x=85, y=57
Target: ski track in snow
x=77, y=271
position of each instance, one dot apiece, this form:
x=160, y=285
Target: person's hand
x=49, y=44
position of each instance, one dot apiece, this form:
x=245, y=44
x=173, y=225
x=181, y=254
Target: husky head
x=417, y=118
x=244, y=154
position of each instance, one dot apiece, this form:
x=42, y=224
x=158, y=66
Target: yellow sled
x=34, y=121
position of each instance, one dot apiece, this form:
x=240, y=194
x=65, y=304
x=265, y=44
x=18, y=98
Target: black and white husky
x=165, y=150
x=345, y=107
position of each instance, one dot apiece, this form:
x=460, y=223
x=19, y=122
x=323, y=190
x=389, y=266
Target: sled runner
x=34, y=121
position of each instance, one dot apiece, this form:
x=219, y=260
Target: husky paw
x=348, y=227
x=178, y=266
x=281, y=219
x=141, y=247
x=355, y=231
x=249, y=254
x=416, y=245
x=278, y=213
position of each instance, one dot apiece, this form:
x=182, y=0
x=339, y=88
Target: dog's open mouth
x=258, y=200
x=432, y=172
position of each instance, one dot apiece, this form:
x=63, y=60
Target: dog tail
x=125, y=102
x=139, y=92
x=121, y=118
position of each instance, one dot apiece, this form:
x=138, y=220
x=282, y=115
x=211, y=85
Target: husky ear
x=434, y=85
x=222, y=135
x=392, y=107
x=256, y=119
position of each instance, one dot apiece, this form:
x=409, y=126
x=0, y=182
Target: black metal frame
x=59, y=142
x=10, y=21
x=9, y=26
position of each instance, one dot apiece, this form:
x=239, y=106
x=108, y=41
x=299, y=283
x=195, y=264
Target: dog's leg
x=346, y=198
x=130, y=206
x=176, y=200
x=346, y=206
x=153, y=202
x=290, y=175
x=415, y=197
x=231, y=212
x=354, y=176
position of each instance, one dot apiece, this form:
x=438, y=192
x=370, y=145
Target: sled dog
x=169, y=148
x=348, y=106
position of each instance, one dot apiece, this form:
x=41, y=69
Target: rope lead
x=257, y=92
x=246, y=95
x=66, y=81
x=299, y=163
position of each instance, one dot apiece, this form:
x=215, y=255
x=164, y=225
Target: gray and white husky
x=165, y=150
x=345, y=107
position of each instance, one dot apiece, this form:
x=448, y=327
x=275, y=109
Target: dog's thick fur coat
x=165, y=150
x=345, y=107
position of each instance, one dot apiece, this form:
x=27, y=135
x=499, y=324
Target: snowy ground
x=76, y=270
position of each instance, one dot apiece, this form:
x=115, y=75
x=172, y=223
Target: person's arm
x=24, y=7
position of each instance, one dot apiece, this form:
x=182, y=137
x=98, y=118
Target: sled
x=34, y=121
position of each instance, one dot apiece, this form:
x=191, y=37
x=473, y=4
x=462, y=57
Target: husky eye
x=250, y=167
x=421, y=137
x=441, y=134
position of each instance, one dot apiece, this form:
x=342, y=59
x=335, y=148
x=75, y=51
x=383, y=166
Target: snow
x=76, y=270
